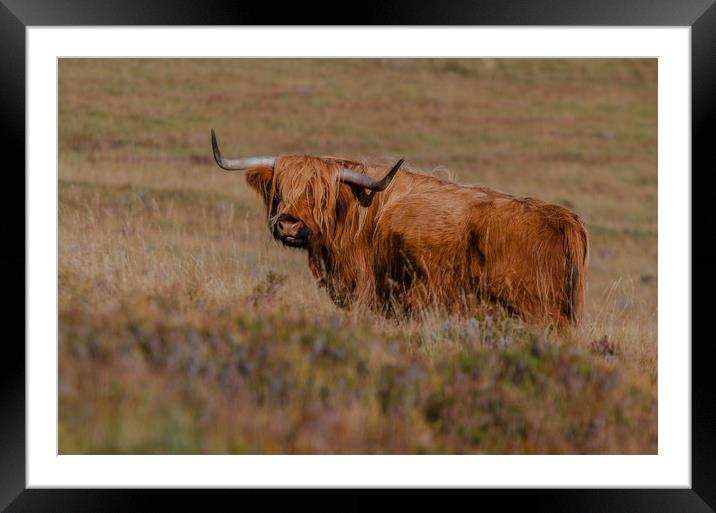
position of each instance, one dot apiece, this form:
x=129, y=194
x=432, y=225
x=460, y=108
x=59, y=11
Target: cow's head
x=303, y=195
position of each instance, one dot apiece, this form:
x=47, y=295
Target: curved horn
x=238, y=164
x=354, y=178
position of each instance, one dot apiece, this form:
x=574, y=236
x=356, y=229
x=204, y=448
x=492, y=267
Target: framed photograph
x=448, y=249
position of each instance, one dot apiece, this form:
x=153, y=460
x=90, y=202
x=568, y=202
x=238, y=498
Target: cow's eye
x=274, y=205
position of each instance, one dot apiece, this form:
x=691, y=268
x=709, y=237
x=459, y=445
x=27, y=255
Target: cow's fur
x=428, y=242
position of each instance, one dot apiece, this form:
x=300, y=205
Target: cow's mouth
x=295, y=242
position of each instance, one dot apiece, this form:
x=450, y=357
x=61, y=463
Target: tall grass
x=185, y=328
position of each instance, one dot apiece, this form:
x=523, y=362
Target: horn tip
x=215, y=149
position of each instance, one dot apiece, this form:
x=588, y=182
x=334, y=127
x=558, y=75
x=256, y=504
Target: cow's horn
x=352, y=177
x=238, y=164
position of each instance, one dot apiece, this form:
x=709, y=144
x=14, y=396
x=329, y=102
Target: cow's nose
x=290, y=227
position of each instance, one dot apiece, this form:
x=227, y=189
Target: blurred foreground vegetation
x=235, y=381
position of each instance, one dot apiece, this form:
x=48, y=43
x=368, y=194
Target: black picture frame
x=17, y=15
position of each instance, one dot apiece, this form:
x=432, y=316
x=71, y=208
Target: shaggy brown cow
x=410, y=241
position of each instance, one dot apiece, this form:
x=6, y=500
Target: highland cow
x=402, y=242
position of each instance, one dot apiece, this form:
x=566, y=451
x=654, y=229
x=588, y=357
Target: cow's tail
x=576, y=246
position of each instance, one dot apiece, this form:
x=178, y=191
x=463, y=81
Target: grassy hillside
x=184, y=328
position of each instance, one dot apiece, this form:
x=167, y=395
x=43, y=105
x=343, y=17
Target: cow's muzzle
x=292, y=232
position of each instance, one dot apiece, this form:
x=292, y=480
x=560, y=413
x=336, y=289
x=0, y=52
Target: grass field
x=184, y=328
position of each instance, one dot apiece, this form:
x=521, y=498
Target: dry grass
x=185, y=328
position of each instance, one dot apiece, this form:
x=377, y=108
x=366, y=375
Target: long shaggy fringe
x=308, y=181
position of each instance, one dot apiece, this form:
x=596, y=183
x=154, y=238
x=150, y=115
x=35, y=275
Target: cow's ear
x=259, y=178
